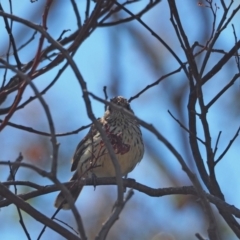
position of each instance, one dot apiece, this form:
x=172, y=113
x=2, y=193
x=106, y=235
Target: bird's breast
x=126, y=140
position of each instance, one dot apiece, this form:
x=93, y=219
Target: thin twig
x=113, y=218
x=9, y=31
x=216, y=145
x=237, y=56
x=149, y=6
x=32, y=130
x=45, y=226
x=28, y=41
x=228, y=147
x=155, y=83
x=12, y=177
x=155, y=35
x=66, y=225
x=221, y=92
x=77, y=14
x=187, y=130
x=14, y=168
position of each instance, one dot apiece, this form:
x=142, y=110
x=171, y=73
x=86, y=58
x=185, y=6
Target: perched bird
x=91, y=156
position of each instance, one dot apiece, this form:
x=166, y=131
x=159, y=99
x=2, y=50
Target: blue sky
x=125, y=59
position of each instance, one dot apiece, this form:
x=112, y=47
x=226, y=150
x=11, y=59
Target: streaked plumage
x=91, y=156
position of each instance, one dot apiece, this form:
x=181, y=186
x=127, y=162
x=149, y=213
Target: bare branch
x=36, y=214
x=127, y=183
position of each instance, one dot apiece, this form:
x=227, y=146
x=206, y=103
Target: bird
x=91, y=156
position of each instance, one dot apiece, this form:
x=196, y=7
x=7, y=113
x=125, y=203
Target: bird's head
x=121, y=102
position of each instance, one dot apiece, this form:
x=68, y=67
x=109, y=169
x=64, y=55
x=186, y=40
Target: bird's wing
x=84, y=143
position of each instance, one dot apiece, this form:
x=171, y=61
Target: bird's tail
x=74, y=189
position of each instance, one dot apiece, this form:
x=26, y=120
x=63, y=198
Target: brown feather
x=91, y=156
